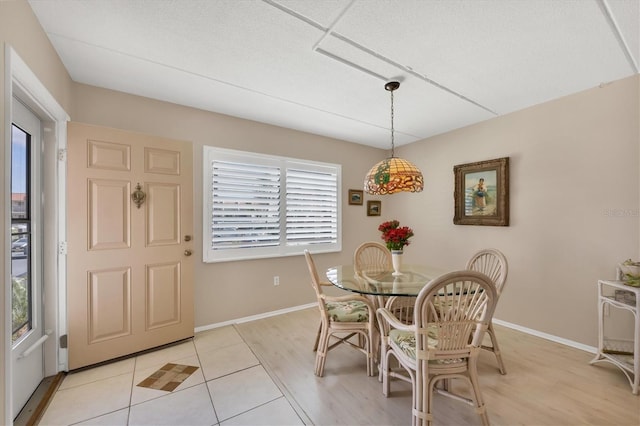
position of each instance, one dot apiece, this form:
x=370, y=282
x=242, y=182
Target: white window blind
x=312, y=207
x=266, y=206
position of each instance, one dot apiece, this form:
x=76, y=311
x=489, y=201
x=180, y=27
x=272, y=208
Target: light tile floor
x=230, y=387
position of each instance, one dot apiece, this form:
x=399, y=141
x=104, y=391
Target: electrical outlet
x=276, y=280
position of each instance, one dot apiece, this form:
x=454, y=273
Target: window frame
x=23, y=221
x=282, y=249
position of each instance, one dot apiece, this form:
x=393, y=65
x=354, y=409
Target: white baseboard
x=551, y=337
x=546, y=336
x=254, y=317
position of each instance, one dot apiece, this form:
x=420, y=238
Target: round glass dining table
x=384, y=283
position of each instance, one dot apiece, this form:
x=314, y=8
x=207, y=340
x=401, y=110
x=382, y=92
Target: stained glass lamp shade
x=393, y=174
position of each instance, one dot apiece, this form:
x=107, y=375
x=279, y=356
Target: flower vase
x=396, y=259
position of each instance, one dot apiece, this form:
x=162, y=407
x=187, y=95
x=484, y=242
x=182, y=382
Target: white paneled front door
x=130, y=270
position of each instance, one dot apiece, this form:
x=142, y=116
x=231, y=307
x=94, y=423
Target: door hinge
x=62, y=154
x=62, y=248
x=63, y=341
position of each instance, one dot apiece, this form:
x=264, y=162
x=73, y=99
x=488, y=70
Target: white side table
x=625, y=354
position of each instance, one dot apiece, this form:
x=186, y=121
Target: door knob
x=187, y=252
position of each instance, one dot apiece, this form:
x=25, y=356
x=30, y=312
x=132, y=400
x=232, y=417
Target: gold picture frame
x=355, y=197
x=481, y=194
x=374, y=207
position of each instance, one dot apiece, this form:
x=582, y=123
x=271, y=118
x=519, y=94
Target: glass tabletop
x=413, y=278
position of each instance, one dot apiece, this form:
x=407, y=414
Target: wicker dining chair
x=341, y=318
x=451, y=315
x=492, y=263
x=369, y=259
x=372, y=258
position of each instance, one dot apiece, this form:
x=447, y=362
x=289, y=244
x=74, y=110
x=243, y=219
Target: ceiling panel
x=320, y=66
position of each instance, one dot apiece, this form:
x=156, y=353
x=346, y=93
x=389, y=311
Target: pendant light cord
x=392, y=129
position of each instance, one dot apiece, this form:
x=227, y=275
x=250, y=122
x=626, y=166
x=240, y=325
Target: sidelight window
x=21, y=294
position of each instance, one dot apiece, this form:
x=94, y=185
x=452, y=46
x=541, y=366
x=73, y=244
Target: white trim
x=6, y=194
x=615, y=29
x=551, y=337
x=254, y=317
x=31, y=91
x=561, y=340
x=61, y=137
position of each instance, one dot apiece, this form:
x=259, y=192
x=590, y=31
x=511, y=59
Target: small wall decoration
x=374, y=207
x=482, y=193
x=355, y=197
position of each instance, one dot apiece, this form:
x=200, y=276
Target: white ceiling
x=320, y=65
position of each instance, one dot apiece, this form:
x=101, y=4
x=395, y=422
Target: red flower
x=387, y=226
x=394, y=236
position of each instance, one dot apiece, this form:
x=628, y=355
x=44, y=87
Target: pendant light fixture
x=393, y=174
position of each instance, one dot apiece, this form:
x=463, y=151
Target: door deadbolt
x=187, y=237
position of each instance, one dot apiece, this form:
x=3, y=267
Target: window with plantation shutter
x=266, y=206
x=312, y=206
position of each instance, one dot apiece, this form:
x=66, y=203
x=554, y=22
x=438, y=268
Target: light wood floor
x=546, y=383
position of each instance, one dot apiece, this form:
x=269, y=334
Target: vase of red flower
x=395, y=237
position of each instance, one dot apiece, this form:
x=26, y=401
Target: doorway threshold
x=38, y=402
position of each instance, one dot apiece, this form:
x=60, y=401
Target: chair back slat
x=313, y=272
x=402, y=307
x=492, y=263
x=316, y=284
x=372, y=258
x=451, y=309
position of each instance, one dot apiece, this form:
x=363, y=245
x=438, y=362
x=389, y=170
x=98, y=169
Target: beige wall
x=231, y=290
x=574, y=203
x=20, y=30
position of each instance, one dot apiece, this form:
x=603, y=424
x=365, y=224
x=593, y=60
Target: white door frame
x=22, y=83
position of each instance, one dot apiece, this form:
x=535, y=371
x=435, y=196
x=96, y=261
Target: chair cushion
x=355, y=311
x=406, y=342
